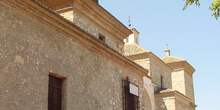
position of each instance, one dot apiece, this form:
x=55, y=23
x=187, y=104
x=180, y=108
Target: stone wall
x=178, y=81
x=30, y=50
x=180, y=105
x=156, y=70
x=172, y=102
x=183, y=82
x=189, y=86
x=145, y=63
x=165, y=103
x=93, y=29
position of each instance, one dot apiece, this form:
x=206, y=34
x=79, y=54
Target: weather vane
x=129, y=21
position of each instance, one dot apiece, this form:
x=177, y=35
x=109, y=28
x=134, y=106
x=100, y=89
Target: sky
x=192, y=34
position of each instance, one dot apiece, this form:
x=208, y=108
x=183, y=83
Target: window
x=55, y=93
x=101, y=38
x=130, y=101
x=161, y=81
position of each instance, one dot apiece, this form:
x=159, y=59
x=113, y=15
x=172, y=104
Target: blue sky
x=192, y=34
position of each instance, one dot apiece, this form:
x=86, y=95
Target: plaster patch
x=19, y=59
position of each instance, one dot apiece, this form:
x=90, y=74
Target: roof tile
x=133, y=49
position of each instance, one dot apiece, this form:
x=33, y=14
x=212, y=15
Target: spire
x=167, y=51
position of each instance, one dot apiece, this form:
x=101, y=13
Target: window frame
x=128, y=97
x=56, y=92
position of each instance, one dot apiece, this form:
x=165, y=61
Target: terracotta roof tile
x=166, y=91
x=133, y=49
x=171, y=59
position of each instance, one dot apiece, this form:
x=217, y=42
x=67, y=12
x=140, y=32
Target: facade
x=171, y=75
x=70, y=55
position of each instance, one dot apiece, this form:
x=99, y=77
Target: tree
x=190, y=2
x=215, y=6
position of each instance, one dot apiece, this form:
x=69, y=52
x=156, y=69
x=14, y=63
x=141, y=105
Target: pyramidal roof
x=172, y=59
x=133, y=49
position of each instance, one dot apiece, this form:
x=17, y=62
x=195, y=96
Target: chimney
x=167, y=51
x=97, y=1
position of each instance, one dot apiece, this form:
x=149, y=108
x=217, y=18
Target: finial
x=129, y=21
x=166, y=46
x=167, y=51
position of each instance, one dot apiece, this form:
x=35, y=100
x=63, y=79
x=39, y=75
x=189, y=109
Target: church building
x=172, y=76
x=75, y=55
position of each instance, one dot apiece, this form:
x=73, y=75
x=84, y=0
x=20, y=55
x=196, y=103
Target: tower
x=182, y=74
x=133, y=38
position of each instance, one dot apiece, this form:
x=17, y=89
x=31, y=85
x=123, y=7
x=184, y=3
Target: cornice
x=101, y=13
x=57, y=4
x=103, y=19
x=152, y=57
x=110, y=18
x=182, y=65
x=174, y=94
x=192, y=104
x=134, y=30
x=47, y=16
x=160, y=62
x=139, y=56
x=188, y=68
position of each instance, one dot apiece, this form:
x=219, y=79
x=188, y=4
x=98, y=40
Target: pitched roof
x=171, y=59
x=133, y=49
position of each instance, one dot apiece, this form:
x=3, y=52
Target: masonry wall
x=183, y=82
x=93, y=28
x=156, y=70
x=172, y=103
x=165, y=103
x=145, y=63
x=189, y=86
x=30, y=50
x=178, y=81
x=180, y=105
